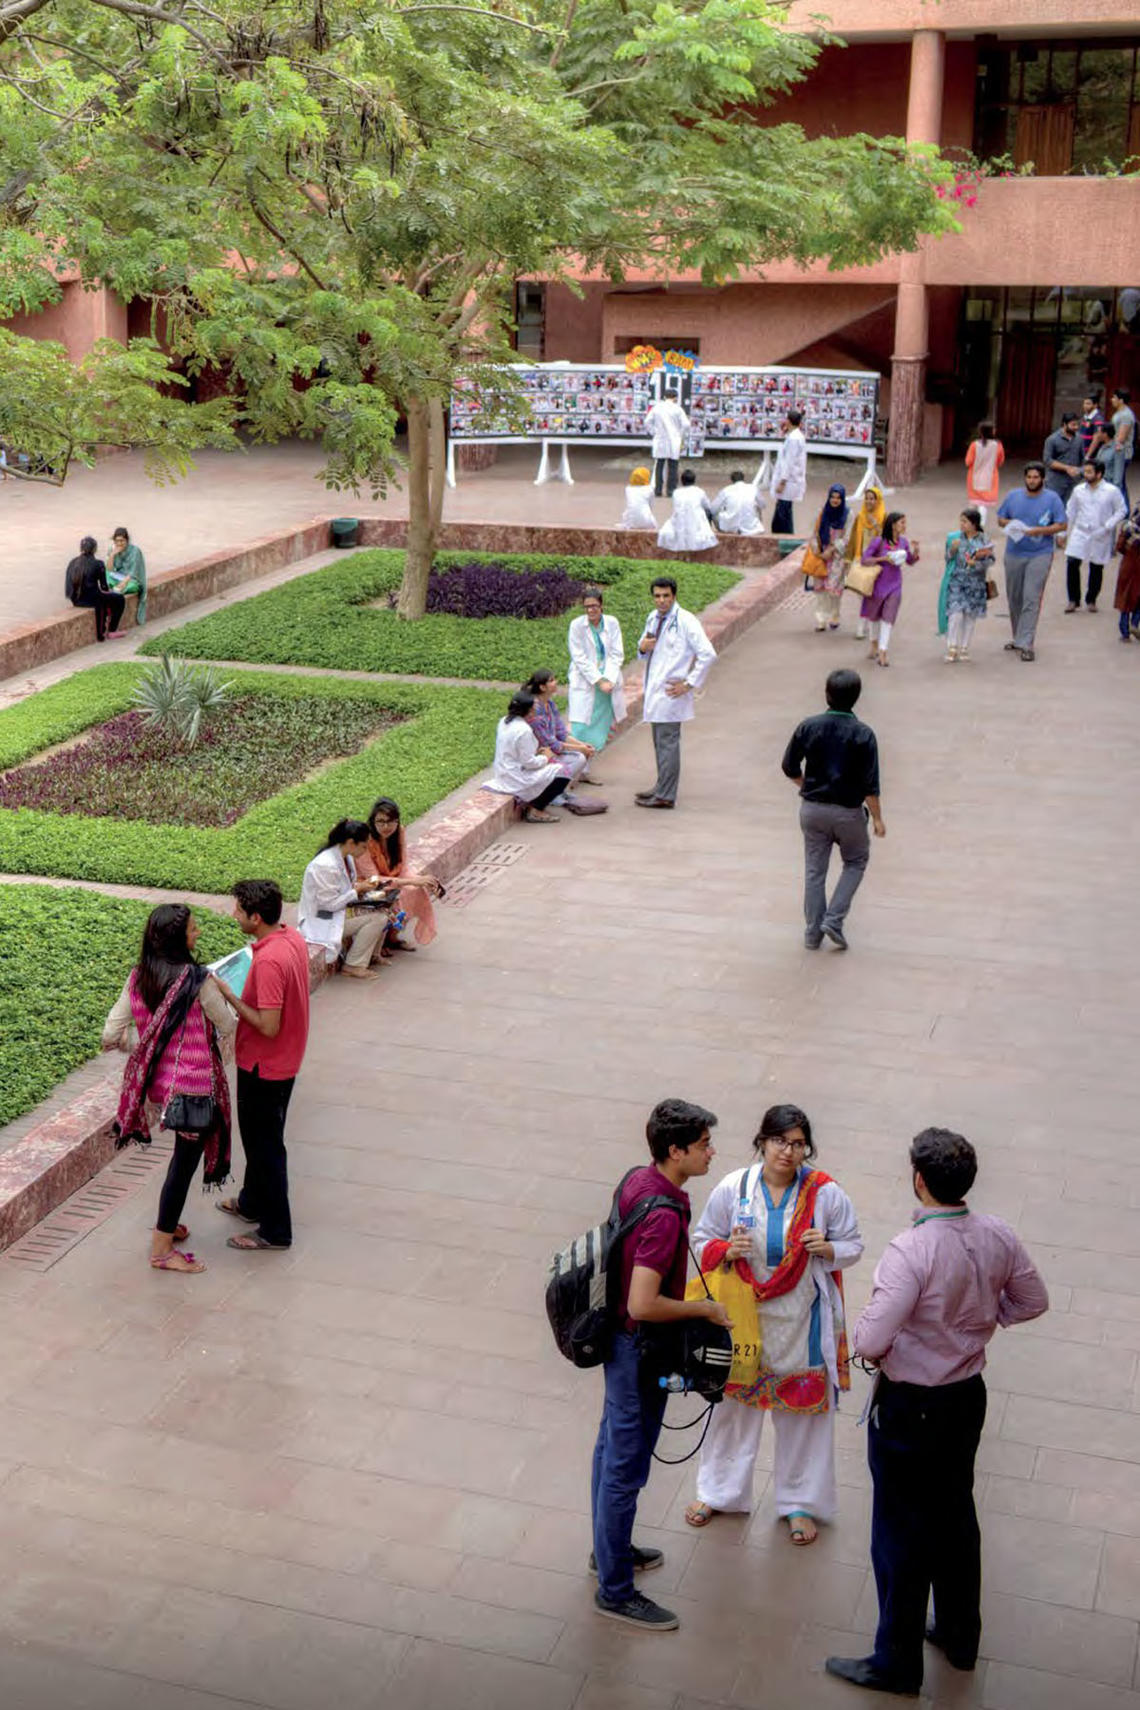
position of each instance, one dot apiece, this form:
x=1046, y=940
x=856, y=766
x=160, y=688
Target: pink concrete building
x=1036, y=301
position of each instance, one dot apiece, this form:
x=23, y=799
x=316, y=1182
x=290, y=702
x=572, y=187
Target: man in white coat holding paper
x=677, y=655
x=789, y=477
x=668, y=424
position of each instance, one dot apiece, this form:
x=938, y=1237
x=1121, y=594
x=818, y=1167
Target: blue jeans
x=627, y=1436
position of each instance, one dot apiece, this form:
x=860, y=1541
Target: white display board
x=732, y=409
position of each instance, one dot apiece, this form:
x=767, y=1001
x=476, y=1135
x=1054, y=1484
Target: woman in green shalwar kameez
x=126, y=570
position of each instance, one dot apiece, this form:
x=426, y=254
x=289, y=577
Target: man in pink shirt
x=940, y=1291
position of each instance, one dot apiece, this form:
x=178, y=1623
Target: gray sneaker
x=638, y=1611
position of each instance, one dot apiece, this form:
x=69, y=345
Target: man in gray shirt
x=1062, y=457
x=1122, y=444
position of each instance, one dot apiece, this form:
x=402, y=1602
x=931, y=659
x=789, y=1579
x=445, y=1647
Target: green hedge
x=325, y=619
x=449, y=734
x=64, y=955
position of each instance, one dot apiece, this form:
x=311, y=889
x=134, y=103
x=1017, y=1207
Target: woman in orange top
x=387, y=858
x=984, y=458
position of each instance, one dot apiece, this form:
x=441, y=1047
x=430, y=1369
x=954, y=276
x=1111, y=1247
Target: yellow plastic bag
x=733, y=1293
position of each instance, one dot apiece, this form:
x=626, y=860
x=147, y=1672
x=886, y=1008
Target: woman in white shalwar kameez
x=803, y=1233
x=688, y=529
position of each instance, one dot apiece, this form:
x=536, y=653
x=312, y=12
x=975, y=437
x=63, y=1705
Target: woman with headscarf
x=1127, y=598
x=868, y=523
x=827, y=544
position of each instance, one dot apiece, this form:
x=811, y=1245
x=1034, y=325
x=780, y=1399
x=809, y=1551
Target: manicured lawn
x=326, y=619
x=64, y=955
x=446, y=734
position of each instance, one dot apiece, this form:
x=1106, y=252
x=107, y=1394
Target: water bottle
x=744, y=1222
x=674, y=1384
x=397, y=922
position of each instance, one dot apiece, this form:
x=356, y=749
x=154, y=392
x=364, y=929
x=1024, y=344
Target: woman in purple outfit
x=880, y=607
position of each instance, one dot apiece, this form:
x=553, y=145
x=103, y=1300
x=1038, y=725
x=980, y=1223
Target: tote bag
x=736, y=1296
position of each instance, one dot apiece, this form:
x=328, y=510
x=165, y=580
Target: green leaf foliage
x=64, y=955
x=447, y=735
x=326, y=618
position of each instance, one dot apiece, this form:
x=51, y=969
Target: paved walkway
x=357, y=1473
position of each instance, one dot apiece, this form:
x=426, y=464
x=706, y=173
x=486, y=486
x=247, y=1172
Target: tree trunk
x=425, y=502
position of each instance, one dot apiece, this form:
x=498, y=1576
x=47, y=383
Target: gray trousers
x=1025, y=580
x=667, y=753
x=824, y=823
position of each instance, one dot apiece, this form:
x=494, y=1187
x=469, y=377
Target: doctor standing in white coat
x=331, y=886
x=668, y=424
x=597, y=653
x=789, y=478
x=677, y=655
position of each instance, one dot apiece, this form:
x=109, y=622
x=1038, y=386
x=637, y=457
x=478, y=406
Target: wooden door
x=1025, y=392
x=1045, y=137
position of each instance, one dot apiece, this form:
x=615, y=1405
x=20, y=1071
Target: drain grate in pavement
x=483, y=871
x=63, y=1229
x=798, y=601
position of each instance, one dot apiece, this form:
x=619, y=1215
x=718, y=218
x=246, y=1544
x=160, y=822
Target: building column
x=912, y=316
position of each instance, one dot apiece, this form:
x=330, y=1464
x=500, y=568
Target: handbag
x=814, y=565
x=188, y=1113
x=991, y=588
x=861, y=578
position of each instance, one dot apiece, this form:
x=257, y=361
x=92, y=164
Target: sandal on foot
x=255, y=1243
x=184, y=1262
x=535, y=816
x=797, y=1531
x=232, y=1208
x=698, y=1514
x=181, y=1233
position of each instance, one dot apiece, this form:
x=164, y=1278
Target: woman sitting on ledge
x=386, y=857
x=126, y=570
x=552, y=730
x=331, y=886
x=85, y=584
x=522, y=769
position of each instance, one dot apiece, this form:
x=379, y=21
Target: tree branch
x=563, y=34
x=263, y=219
x=13, y=14
x=474, y=12
x=135, y=9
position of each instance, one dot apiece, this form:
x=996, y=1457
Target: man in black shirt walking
x=834, y=759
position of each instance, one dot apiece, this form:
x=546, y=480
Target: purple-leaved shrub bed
x=249, y=749
x=484, y=589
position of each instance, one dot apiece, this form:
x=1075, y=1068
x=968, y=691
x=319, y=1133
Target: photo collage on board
x=602, y=403
x=837, y=409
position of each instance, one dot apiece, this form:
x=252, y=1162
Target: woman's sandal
x=184, y=1262
x=181, y=1233
x=254, y=1243
x=698, y=1514
x=537, y=817
x=797, y=1531
x=233, y=1209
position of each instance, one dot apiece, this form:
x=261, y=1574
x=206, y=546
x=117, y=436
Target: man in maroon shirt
x=654, y=1260
x=940, y=1291
x=272, y=1031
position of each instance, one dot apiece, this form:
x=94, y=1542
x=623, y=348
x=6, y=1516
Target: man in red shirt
x=272, y=1031
x=654, y=1260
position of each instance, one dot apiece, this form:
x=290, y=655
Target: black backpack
x=584, y=1278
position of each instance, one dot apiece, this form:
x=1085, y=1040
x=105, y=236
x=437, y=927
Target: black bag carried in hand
x=695, y=1350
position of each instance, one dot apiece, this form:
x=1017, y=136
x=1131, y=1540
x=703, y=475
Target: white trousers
x=805, y=1460
x=826, y=607
x=960, y=629
x=881, y=632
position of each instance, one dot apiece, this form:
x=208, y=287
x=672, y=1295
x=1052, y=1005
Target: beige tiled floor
x=357, y=1474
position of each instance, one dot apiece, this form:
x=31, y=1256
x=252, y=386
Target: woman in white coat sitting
x=330, y=887
x=522, y=769
x=638, y=512
x=689, y=528
x=790, y=1231
x=597, y=653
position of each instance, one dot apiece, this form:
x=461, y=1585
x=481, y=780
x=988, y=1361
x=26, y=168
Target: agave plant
x=174, y=696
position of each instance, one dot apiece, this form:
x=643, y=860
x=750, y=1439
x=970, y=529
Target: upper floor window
x=1062, y=106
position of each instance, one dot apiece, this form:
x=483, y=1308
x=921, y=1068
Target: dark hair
x=87, y=545
x=737, y=475
x=594, y=594
x=985, y=431
x=520, y=703
x=946, y=1162
x=1122, y=393
x=164, y=952
x=1069, y=416
x=390, y=839
x=346, y=831
x=1091, y=463
x=890, y=523
x=795, y=417
x=688, y=479
x=843, y=688
x=386, y=806
x=663, y=582
x=779, y=1119
x=973, y=516
x=538, y=680
x=1093, y=398
x=260, y=897
x=675, y=1122
x=120, y=531
x=1040, y=467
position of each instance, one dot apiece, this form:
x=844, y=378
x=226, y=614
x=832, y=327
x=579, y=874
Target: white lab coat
x=668, y=424
x=638, y=511
x=585, y=670
x=735, y=510
x=519, y=768
x=328, y=885
x=682, y=650
x=791, y=467
x=688, y=529
x=1094, y=514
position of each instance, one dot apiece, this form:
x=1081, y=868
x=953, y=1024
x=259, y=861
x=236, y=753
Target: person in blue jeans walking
x=654, y=1260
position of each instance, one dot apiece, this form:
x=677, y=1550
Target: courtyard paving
x=357, y=1473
